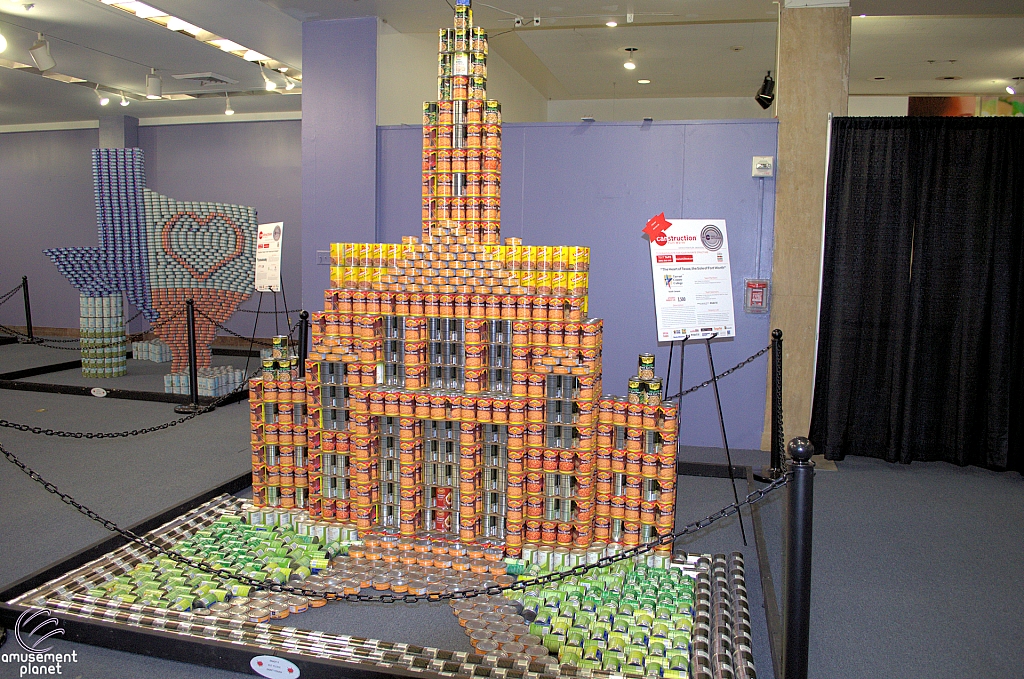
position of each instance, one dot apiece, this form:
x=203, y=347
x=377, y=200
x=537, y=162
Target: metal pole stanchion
x=798, y=560
x=778, y=441
x=193, y=369
x=303, y=341
x=28, y=310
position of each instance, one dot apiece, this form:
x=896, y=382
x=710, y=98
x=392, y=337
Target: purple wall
x=256, y=164
x=596, y=185
x=45, y=201
x=339, y=154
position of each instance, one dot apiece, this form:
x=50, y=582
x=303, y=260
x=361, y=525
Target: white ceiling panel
x=692, y=60
x=914, y=53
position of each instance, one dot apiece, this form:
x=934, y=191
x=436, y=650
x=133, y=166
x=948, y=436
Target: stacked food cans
x=151, y=350
x=462, y=138
x=460, y=265
x=280, y=442
x=454, y=386
x=627, y=618
x=102, y=336
x=213, y=382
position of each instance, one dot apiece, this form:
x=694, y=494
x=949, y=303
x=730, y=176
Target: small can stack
x=154, y=350
x=636, y=462
x=278, y=419
x=102, y=336
x=213, y=382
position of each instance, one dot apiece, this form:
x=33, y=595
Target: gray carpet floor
x=142, y=375
x=917, y=569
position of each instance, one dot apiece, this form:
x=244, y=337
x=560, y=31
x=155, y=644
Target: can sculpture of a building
x=454, y=384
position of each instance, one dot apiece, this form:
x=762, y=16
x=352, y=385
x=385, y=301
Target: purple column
x=339, y=142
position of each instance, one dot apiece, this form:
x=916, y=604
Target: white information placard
x=692, y=279
x=268, y=257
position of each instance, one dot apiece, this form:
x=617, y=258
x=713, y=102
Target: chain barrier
x=132, y=432
x=726, y=373
x=239, y=336
x=55, y=343
x=665, y=539
x=283, y=311
x=7, y=295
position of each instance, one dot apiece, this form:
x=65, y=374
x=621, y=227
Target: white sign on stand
x=692, y=279
x=268, y=257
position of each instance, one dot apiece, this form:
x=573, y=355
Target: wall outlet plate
x=764, y=166
x=323, y=257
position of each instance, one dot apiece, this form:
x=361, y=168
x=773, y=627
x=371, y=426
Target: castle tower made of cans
x=454, y=386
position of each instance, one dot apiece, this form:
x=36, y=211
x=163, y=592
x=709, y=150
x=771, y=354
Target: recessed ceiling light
x=737, y=48
x=3, y=42
x=863, y=15
x=253, y=55
x=879, y=77
x=644, y=81
x=949, y=77
x=611, y=24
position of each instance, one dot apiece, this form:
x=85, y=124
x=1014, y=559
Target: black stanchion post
x=28, y=310
x=303, y=341
x=778, y=441
x=193, y=368
x=798, y=560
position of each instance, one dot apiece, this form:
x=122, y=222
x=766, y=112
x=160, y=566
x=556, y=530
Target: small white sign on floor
x=692, y=279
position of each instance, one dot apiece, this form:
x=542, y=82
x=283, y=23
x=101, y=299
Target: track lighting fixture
x=765, y=96
x=228, y=111
x=124, y=102
x=40, y=52
x=154, y=85
x=267, y=82
x=104, y=99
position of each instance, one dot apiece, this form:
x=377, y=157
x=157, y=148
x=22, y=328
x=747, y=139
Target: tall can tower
x=453, y=391
x=462, y=139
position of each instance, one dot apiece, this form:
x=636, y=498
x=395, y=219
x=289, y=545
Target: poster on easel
x=692, y=278
x=268, y=257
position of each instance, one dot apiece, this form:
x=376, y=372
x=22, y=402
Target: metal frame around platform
x=231, y=646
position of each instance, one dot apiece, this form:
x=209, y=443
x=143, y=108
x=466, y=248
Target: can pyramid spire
x=462, y=139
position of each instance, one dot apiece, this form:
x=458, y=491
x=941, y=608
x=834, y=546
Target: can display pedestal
x=103, y=336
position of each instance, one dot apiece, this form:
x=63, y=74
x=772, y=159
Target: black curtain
x=921, y=339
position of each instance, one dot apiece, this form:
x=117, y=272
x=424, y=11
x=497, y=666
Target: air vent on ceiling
x=207, y=78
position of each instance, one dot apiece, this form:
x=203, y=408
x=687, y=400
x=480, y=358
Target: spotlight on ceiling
x=104, y=99
x=228, y=111
x=124, y=101
x=630, y=65
x=154, y=85
x=644, y=81
x=611, y=24
x=269, y=84
x=765, y=96
x=40, y=52
x=289, y=84
x=3, y=42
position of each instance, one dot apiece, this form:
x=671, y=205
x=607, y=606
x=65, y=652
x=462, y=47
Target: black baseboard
x=40, y=370
x=710, y=470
